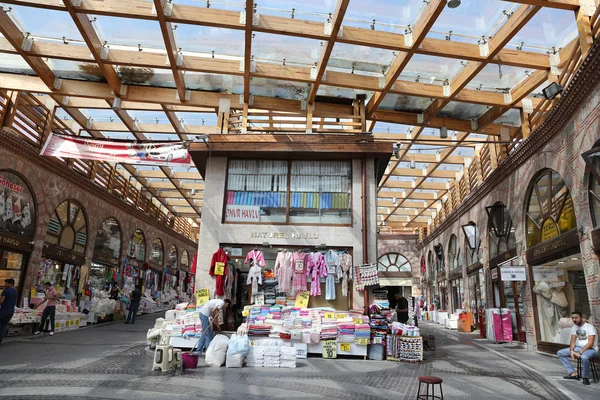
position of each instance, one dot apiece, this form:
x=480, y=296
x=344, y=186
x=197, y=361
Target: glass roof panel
x=462, y=110
x=214, y=82
x=162, y=137
x=428, y=69
x=548, y=28
x=400, y=102
x=75, y=70
x=119, y=135
x=280, y=89
x=499, y=77
x=138, y=32
x=276, y=48
x=205, y=39
x=193, y=118
x=149, y=117
x=361, y=58
x=45, y=23
x=471, y=20
x=388, y=16
x=386, y=127
x=14, y=64
x=146, y=76
x=232, y=5
x=334, y=91
x=512, y=117
x=313, y=10
x=97, y=115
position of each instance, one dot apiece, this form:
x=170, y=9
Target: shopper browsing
x=208, y=313
x=584, y=345
x=8, y=301
x=402, y=308
x=50, y=310
x=134, y=304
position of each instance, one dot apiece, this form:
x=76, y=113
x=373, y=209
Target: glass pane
x=185, y=259
x=73, y=208
x=108, y=240
x=567, y=217
x=61, y=212
x=360, y=58
x=500, y=78
x=314, y=10
x=276, y=48
x=431, y=69
x=157, y=252
x=393, y=258
x=320, y=192
x=533, y=211
x=14, y=64
x=81, y=238
x=389, y=16
x=400, y=102
x=67, y=238
x=559, y=192
x=137, y=246
x=11, y=265
x=144, y=33
x=256, y=191
x=277, y=88
x=533, y=233
x=382, y=267
x=76, y=70
x=214, y=82
x=542, y=186
x=547, y=29
x=172, y=260
x=206, y=40
x=79, y=222
x=146, y=76
x=46, y=23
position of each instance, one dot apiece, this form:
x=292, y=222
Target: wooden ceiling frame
x=250, y=11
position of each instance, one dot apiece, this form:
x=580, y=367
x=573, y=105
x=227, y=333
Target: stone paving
x=110, y=361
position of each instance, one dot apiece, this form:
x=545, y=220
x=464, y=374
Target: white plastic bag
x=235, y=360
x=216, y=352
x=237, y=351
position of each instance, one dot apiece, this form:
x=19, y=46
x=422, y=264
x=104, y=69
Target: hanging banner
x=151, y=153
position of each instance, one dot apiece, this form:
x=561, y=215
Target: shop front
x=17, y=228
x=64, y=250
x=154, y=274
x=395, y=277
x=475, y=278
x=105, y=264
x=171, y=272
x=441, y=300
x=455, y=276
x=133, y=264
x=186, y=283
x=558, y=279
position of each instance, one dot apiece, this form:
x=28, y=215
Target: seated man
x=584, y=345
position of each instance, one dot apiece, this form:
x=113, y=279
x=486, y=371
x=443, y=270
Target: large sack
x=237, y=351
x=216, y=352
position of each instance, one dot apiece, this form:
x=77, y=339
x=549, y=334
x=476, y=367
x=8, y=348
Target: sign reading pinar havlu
x=124, y=152
x=202, y=296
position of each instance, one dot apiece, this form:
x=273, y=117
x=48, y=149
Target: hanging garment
x=254, y=278
x=299, y=272
x=257, y=256
x=345, y=271
x=331, y=264
x=284, y=270
x=316, y=269
x=221, y=257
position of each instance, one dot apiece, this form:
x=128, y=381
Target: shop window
x=318, y=192
x=68, y=227
x=107, y=246
x=472, y=243
x=17, y=207
x=393, y=262
x=157, y=252
x=431, y=264
x=172, y=259
x=439, y=259
x=550, y=210
x=454, y=258
x=501, y=231
x=137, y=246
x=185, y=259
x=11, y=265
x=592, y=159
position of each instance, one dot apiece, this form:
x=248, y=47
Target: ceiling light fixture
x=552, y=90
x=453, y=3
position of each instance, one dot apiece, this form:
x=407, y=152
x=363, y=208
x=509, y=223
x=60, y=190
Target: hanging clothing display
x=257, y=256
x=284, y=270
x=345, y=271
x=299, y=278
x=366, y=275
x=218, y=257
x=316, y=269
x=331, y=264
x=254, y=278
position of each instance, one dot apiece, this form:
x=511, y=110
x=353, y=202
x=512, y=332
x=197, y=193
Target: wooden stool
x=592, y=368
x=430, y=380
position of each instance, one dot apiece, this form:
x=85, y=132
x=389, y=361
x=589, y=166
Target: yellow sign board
x=329, y=315
x=340, y=316
x=302, y=299
x=219, y=268
x=357, y=321
x=33, y=293
x=245, y=313
x=363, y=341
x=329, y=349
x=549, y=230
x=344, y=346
x=202, y=296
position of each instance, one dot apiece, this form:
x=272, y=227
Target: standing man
x=584, y=345
x=401, y=308
x=136, y=295
x=208, y=314
x=50, y=310
x=8, y=301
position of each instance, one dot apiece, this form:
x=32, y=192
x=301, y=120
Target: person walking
x=208, y=313
x=401, y=308
x=584, y=345
x=8, y=301
x=134, y=304
x=50, y=310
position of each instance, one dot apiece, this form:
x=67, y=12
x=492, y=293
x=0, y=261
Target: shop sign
x=155, y=266
x=542, y=273
x=495, y=274
x=509, y=274
x=549, y=230
x=202, y=296
x=476, y=267
x=15, y=242
x=554, y=246
x=329, y=349
x=502, y=258
x=17, y=208
x=283, y=235
x=239, y=213
x=60, y=254
x=104, y=259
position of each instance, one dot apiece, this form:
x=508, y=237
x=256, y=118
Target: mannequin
x=254, y=279
x=257, y=256
x=283, y=270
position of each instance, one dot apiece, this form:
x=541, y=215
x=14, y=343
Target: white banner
x=237, y=213
x=513, y=274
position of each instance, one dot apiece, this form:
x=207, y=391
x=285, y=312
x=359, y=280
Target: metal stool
x=430, y=380
x=592, y=369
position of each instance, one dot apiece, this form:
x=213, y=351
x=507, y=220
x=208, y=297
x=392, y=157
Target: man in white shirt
x=584, y=345
x=208, y=312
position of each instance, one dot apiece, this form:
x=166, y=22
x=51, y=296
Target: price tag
x=302, y=299
x=363, y=341
x=245, y=313
x=340, y=316
x=219, y=268
x=33, y=293
x=202, y=296
x=344, y=346
x=57, y=325
x=329, y=315
x=270, y=316
x=252, y=343
x=329, y=349
x=357, y=321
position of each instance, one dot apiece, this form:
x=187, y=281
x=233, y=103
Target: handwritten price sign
x=363, y=341
x=302, y=299
x=329, y=349
x=329, y=315
x=344, y=346
x=202, y=296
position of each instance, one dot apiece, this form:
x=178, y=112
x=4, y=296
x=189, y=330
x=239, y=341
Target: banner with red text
x=238, y=213
x=150, y=153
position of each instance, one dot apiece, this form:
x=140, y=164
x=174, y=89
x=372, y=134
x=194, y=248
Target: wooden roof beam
x=336, y=23
x=248, y=48
x=572, y=5
x=432, y=11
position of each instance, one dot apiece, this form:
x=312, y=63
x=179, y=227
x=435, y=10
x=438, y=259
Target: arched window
x=172, y=259
x=453, y=253
x=137, y=246
x=157, y=252
x=472, y=243
x=68, y=227
x=439, y=258
x=393, y=262
x=550, y=210
x=501, y=231
x=592, y=159
x=17, y=205
x=185, y=259
x=107, y=246
x=431, y=263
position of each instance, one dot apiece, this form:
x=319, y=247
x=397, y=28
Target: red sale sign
x=151, y=153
